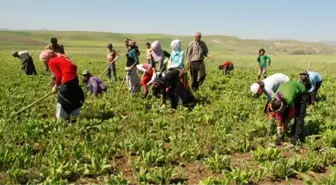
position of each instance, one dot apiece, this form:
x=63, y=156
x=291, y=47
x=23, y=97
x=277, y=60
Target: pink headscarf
x=46, y=55
x=157, y=50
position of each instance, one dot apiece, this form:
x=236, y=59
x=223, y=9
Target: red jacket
x=63, y=69
x=227, y=64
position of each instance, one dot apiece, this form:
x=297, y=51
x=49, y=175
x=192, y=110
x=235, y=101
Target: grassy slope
x=10, y=40
x=221, y=122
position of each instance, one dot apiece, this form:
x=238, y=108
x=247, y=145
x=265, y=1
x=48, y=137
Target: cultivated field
x=223, y=140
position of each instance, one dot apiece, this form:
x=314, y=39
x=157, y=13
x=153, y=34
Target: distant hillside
x=330, y=43
x=98, y=40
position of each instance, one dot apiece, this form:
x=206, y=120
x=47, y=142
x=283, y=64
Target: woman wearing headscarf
x=132, y=79
x=148, y=76
x=159, y=55
x=27, y=62
x=70, y=96
x=176, y=59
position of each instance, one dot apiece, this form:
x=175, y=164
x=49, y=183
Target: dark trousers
x=173, y=98
x=112, y=69
x=228, y=69
x=300, y=112
x=313, y=95
x=195, y=68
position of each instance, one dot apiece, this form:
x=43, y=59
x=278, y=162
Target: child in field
x=112, y=57
x=268, y=87
x=94, y=85
x=290, y=101
x=148, y=53
x=263, y=60
x=227, y=67
x=27, y=62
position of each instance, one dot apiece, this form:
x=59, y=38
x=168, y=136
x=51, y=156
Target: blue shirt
x=314, y=78
x=177, y=59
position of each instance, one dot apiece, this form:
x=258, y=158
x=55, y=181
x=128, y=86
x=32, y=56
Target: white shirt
x=24, y=55
x=272, y=83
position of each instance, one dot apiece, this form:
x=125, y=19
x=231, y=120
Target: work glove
x=54, y=89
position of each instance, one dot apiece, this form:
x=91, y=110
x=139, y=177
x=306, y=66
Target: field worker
x=94, y=85
x=112, y=57
x=27, y=62
x=132, y=79
x=196, y=52
x=176, y=59
x=148, y=53
x=290, y=101
x=268, y=87
x=54, y=46
x=263, y=60
x=227, y=67
x=70, y=96
x=127, y=41
x=158, y=55
x=313, y=81
x=148, y=76
x=167, y=85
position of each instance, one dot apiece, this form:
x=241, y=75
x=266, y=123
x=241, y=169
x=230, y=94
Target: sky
x=306, y=20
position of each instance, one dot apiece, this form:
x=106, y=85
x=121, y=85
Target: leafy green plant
x=266, y=154
x=278, y=169
x=117, y=179
x=218, y=162
x=330, y=138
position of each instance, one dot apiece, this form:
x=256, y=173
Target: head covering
x=46, y=55
x=254, y=88
x=175, y=45
x=86, y=72
x=109, y=45
x=15, y=53
x=156, y=50
x=53, y=40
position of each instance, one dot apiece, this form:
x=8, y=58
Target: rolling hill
x=97, y=41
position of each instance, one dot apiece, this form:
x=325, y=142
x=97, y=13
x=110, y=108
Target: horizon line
x=95, y=31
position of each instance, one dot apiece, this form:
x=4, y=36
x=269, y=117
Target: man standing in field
x=268, y=87
x=263, y=60
x=290, y=101
x=112, y=57
x=27, y=62
x=196, y=52
x=55, y=47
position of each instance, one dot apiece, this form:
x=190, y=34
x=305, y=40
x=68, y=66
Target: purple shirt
x=97, y=85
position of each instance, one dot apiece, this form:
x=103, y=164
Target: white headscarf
x=175, y=45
